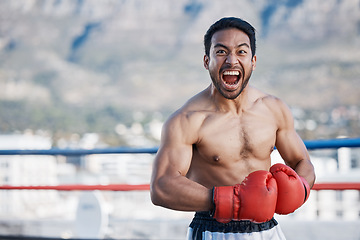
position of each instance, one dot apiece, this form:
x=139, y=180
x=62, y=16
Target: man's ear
x=253, y=62
x=206, y=61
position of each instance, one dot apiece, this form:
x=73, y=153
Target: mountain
x=85, y=65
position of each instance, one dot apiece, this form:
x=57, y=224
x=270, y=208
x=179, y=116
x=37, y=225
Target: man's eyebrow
x=244, y=44
x=220, y=45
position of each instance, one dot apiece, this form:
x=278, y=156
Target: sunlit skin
x=223, y=133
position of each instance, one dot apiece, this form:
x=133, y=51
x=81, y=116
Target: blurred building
x=33, y=170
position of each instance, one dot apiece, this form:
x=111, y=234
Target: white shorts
x=204, y=227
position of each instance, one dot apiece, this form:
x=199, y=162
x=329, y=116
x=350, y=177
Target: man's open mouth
x=231, y=78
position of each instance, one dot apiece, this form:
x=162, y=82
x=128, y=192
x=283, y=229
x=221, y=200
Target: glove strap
x=223, y=198
x=306, y=187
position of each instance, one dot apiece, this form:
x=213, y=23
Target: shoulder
x=193, y=111
x=186, y=121
x=278, y=108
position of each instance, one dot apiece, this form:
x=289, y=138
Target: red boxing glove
x=254, y=199
x=293, y=190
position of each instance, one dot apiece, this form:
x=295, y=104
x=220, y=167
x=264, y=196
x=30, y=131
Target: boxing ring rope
x=81, y=187
x=310, y=144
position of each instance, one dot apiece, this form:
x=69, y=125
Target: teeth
x=233, y=73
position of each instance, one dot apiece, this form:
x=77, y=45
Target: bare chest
x=250, y=136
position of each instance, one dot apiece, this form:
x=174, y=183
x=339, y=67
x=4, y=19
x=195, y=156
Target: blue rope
x=310, y=144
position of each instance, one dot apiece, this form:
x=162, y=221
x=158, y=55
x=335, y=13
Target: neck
x=236, y=105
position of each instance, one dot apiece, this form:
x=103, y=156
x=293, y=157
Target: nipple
x=216, y=158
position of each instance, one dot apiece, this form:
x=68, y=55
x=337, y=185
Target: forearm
x=305, y=169
x=180, y=193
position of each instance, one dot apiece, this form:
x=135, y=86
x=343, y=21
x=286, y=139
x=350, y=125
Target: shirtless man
x=214, y=156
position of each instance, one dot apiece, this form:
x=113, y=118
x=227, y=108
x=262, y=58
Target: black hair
x=226, y=23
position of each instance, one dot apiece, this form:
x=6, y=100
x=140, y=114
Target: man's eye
x=220, y=52
x=242, y=52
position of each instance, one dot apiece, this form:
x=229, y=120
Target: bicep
x=175, y=153
x=291, y=147
x=288, y=142
x=172, y=161
x=294, y=152
x=169, y=185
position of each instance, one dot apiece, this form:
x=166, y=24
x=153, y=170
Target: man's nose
x=231, y=59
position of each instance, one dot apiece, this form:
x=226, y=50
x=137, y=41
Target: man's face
x=230, y=62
